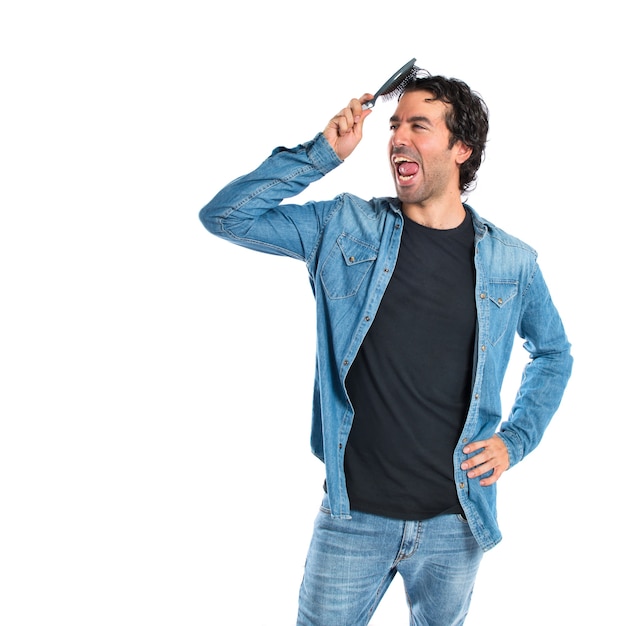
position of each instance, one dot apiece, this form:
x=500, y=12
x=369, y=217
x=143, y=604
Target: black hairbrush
x=395, y=83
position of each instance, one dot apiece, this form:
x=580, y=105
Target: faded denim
x=351, y=563
x=350, y=247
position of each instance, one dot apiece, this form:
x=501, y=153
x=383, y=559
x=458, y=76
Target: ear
x=463, y=152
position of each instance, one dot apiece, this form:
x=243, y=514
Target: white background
x=156, y=382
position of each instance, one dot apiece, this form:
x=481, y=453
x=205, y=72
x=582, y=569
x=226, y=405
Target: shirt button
x=476, y=396
x=483, y=348
x=351, y=259
x=367, y=318
x=464, y=439
x=462, y=485
x=499, y=300
x=483, y=296
x=346, y=362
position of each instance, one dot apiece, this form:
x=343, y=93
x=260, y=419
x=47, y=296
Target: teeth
x=397, y=160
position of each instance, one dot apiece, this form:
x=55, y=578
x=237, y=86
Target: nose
x=398, y=137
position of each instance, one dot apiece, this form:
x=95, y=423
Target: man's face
x=423, y=165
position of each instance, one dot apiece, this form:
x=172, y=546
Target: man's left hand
x=493, y=456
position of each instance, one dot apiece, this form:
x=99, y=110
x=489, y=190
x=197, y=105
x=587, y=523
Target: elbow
x=567, y=360
x=211, y=220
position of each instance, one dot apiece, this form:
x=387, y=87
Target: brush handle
x=392, y=83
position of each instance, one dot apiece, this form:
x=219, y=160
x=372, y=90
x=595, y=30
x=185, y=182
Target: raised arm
x=250, y=210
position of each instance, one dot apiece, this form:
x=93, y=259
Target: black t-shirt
x=410, y=383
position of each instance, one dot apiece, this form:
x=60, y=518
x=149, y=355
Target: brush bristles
x=397, y=88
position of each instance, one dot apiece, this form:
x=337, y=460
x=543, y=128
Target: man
x=418, y=304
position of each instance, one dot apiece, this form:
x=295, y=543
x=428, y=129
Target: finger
x=490, y=480
x=475, y=445
x=364, y=99
x=481, y=462
x=497, y=465
x=342, y=125
x=342, y=122
x=474, y=461
x=348, y=119
x=359, y=112
x=356, y=105
x=481, y=470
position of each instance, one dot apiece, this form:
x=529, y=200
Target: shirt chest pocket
x=502, y=299
x=346, y=266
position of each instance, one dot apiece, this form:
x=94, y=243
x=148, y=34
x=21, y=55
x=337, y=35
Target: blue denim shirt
x=350, y=247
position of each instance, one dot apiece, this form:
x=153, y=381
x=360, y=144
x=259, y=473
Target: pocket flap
x=500, y=292
x=355, y=251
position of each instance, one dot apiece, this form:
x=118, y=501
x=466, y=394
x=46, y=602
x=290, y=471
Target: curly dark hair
x=467, y=118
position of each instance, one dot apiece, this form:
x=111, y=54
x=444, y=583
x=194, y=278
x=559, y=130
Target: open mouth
x=405, y=168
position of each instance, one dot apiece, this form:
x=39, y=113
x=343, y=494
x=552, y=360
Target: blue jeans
x=351, y=564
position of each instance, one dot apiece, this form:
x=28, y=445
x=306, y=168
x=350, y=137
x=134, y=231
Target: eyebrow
x=416, y=118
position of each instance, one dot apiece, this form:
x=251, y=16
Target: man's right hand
x=345, y=130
